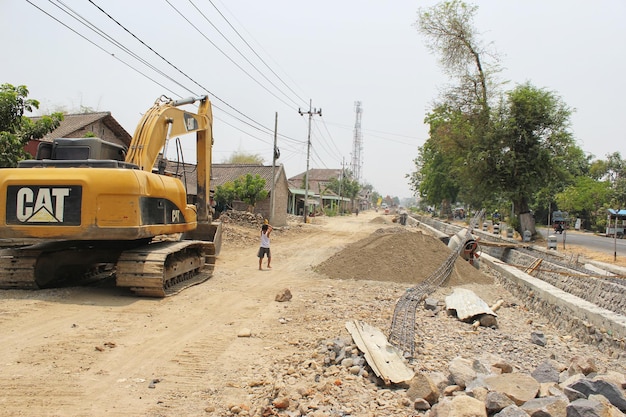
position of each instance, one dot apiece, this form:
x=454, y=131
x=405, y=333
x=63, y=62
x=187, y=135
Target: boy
x=266, y=229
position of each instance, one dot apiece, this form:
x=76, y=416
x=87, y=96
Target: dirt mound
x=378, y=220
x=408, y=257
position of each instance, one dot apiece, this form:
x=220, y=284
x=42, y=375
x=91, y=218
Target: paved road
x=591, y=241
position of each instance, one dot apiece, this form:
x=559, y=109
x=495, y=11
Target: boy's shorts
x=263, y=251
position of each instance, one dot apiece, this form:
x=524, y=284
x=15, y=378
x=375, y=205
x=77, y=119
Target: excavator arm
x=165, y=120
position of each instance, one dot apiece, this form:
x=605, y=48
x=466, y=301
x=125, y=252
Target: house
x=101, y=125
x=318, y=193
x=104, y=126
x=223, y=173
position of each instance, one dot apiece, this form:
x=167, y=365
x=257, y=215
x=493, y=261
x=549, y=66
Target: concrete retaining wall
x=580, y=318
x=574, y=298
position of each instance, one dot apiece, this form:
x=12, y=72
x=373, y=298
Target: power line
x=240, y=53
x=225, y=54
x=102, y=34
x=254, y=52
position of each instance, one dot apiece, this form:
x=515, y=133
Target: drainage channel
x=586, y=300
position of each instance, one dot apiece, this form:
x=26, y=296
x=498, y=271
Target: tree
x=460, y=121
x=247, y=188
x=587, y=198
x=224, y=196
x=530, y=146
x=449, y=32
x=243, y=158
x=346, y=187
x=16, y=130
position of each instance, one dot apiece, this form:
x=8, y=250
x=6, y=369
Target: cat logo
x=44, y=205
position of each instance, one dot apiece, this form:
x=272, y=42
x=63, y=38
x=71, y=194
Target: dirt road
x=100, y=351
x=226, y=347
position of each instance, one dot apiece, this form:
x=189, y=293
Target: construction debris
x=469, y=307
x=385, y=359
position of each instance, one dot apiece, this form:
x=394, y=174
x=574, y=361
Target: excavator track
x=17, y=268
x=157, y=269
x=165, y=268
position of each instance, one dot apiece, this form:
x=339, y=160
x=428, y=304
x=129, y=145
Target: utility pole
x=274, y=158
x=340, y=186
x=311, y=112
x=357, y=145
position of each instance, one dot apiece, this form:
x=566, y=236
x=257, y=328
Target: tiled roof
x=221, y=173
x=74, y=122
x=318, y=179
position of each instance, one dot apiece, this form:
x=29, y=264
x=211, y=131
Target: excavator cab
x=72, y=152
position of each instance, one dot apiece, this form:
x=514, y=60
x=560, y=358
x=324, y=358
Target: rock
x=245, y=332
x=548, y=406
x=421, y=386
x=614, y=377
x=518, y=387
x=284, y=295
x=538, y=338
x=497, y=401
x=431, y=304
x=591, y=408
x=281, y=403
x=511, y=411
x=488, y=320
x=579, y=365
x=461, y=371
x=439, y=379
x=549, y=389
x=451, y=389
x=610, y=391
x=421, y=404
x=546, y=372
x=459, y=406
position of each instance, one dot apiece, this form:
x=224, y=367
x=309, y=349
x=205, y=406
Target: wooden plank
x=385, y=359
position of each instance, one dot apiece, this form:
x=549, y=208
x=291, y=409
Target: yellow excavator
x=86, y=209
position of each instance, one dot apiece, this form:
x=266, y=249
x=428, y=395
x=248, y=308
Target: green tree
x=346, y=187
x=224, y=196
x=247, y=188
x=250, y=188
x=531, y=145
x=16, y=130
x=587, y=198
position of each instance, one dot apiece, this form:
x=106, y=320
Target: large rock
x=548, y=406
x=463, y=371
x=518, y=387
x=511, y=411
x=593, y=407
x=459, y=406
x=496, y=402
x=580, y=365
x=546, y=372
x=421, y=386
x=610, y=391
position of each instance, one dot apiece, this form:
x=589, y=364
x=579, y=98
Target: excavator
x=85, y=210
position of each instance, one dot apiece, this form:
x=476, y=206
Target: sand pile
x=398, y=255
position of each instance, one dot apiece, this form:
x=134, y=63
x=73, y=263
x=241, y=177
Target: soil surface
x=227, y=347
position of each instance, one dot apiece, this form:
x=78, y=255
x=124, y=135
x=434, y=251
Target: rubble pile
x=242, y=218
x=337, y=381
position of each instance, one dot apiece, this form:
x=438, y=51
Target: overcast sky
x=334, y=53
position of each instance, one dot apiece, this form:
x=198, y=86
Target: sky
x=262, y=60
